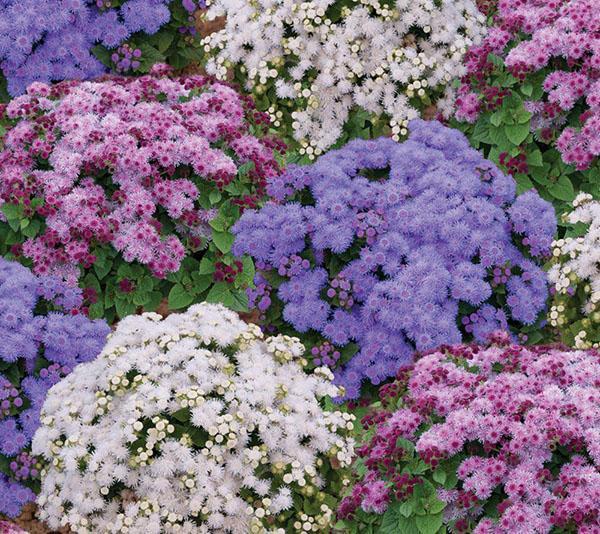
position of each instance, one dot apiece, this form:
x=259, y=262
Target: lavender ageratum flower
x=50, y=40
x=382, y=249
x=43, y=339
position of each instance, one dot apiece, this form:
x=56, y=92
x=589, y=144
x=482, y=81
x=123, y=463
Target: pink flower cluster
x=562, y=37
x=123, y=161
x=524, y=423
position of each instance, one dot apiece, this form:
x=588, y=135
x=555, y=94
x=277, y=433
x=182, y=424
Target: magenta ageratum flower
x=515, y=430
x=560, y=40
x=131, y=170
x=43, y=338
x=381, y=248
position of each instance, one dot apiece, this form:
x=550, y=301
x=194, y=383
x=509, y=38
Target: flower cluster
x=43, y=339
x=506, y=437
x=323, y=68
x=406, y=246
x=10, y=528
x=194, y=423
x=575, y=274
x=144, y=170
x=554, y=49
x=46, y=40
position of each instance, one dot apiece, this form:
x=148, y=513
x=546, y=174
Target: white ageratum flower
x=194, y=423
x=575, y=274
x=323, y=58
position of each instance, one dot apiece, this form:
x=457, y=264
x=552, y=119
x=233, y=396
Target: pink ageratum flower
x=519, y=422
x=109, y=162
x=562, y=37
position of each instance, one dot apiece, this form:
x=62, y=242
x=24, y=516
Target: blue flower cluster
x=409, y=246
x=49, y=40
x=43, y=338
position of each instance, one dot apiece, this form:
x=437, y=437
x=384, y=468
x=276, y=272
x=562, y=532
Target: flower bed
x=382, y=248
x=194, y=423
x=52, y=40
x=128, y=187
x=326, y=70
x=485, y=440
x=533, y=94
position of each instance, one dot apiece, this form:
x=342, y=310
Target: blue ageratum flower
x=409, y=246
x=43, y=338
x=52, y=40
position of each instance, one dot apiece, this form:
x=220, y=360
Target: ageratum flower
x=396, y=247
x=495, y=439
x=575, y=275
x=554, y=48
x=322, y=68
x=53, y=40
x=43, y=339
x=98, y=176
x=195, y=423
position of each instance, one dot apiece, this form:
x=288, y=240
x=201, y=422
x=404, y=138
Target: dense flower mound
x=53, y=40
x=142, y=171
x=486, y=440
x=380, y=248
x=326, y=68
x=43, y=339
x=554, y=49
x=194, y=423
x=575, y=274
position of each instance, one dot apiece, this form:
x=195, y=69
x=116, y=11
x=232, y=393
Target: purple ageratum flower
x=431, y=238
x=51, y=40
x=42, y=341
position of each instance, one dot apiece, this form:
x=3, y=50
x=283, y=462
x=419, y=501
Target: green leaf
x=155, y=299
x=165, y=38
x=226, y=295
x=248, y=272
x=434, y=505
x=223, y=241
x=523, y=183
x=406, y=508
x=439, y=475
x=218, y=293
x=103, y=55
x=200, y=282
x=150, y=56
x=535, y=158
x=562, y=189
x=517, y=133
x=96, y=310
x=102, y=266
x=32, y=229
x=394, y=522
x=179, y=297
x=207, y=266
x=496, y=118
x=124, y=307
x=214, y=197
x=218, y=223
x=429, y=524
x=527, y=89
x=141, y=298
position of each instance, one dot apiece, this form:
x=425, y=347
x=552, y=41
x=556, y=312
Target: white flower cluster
x=576, y=276
x=192, y=424
x=323, y=58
